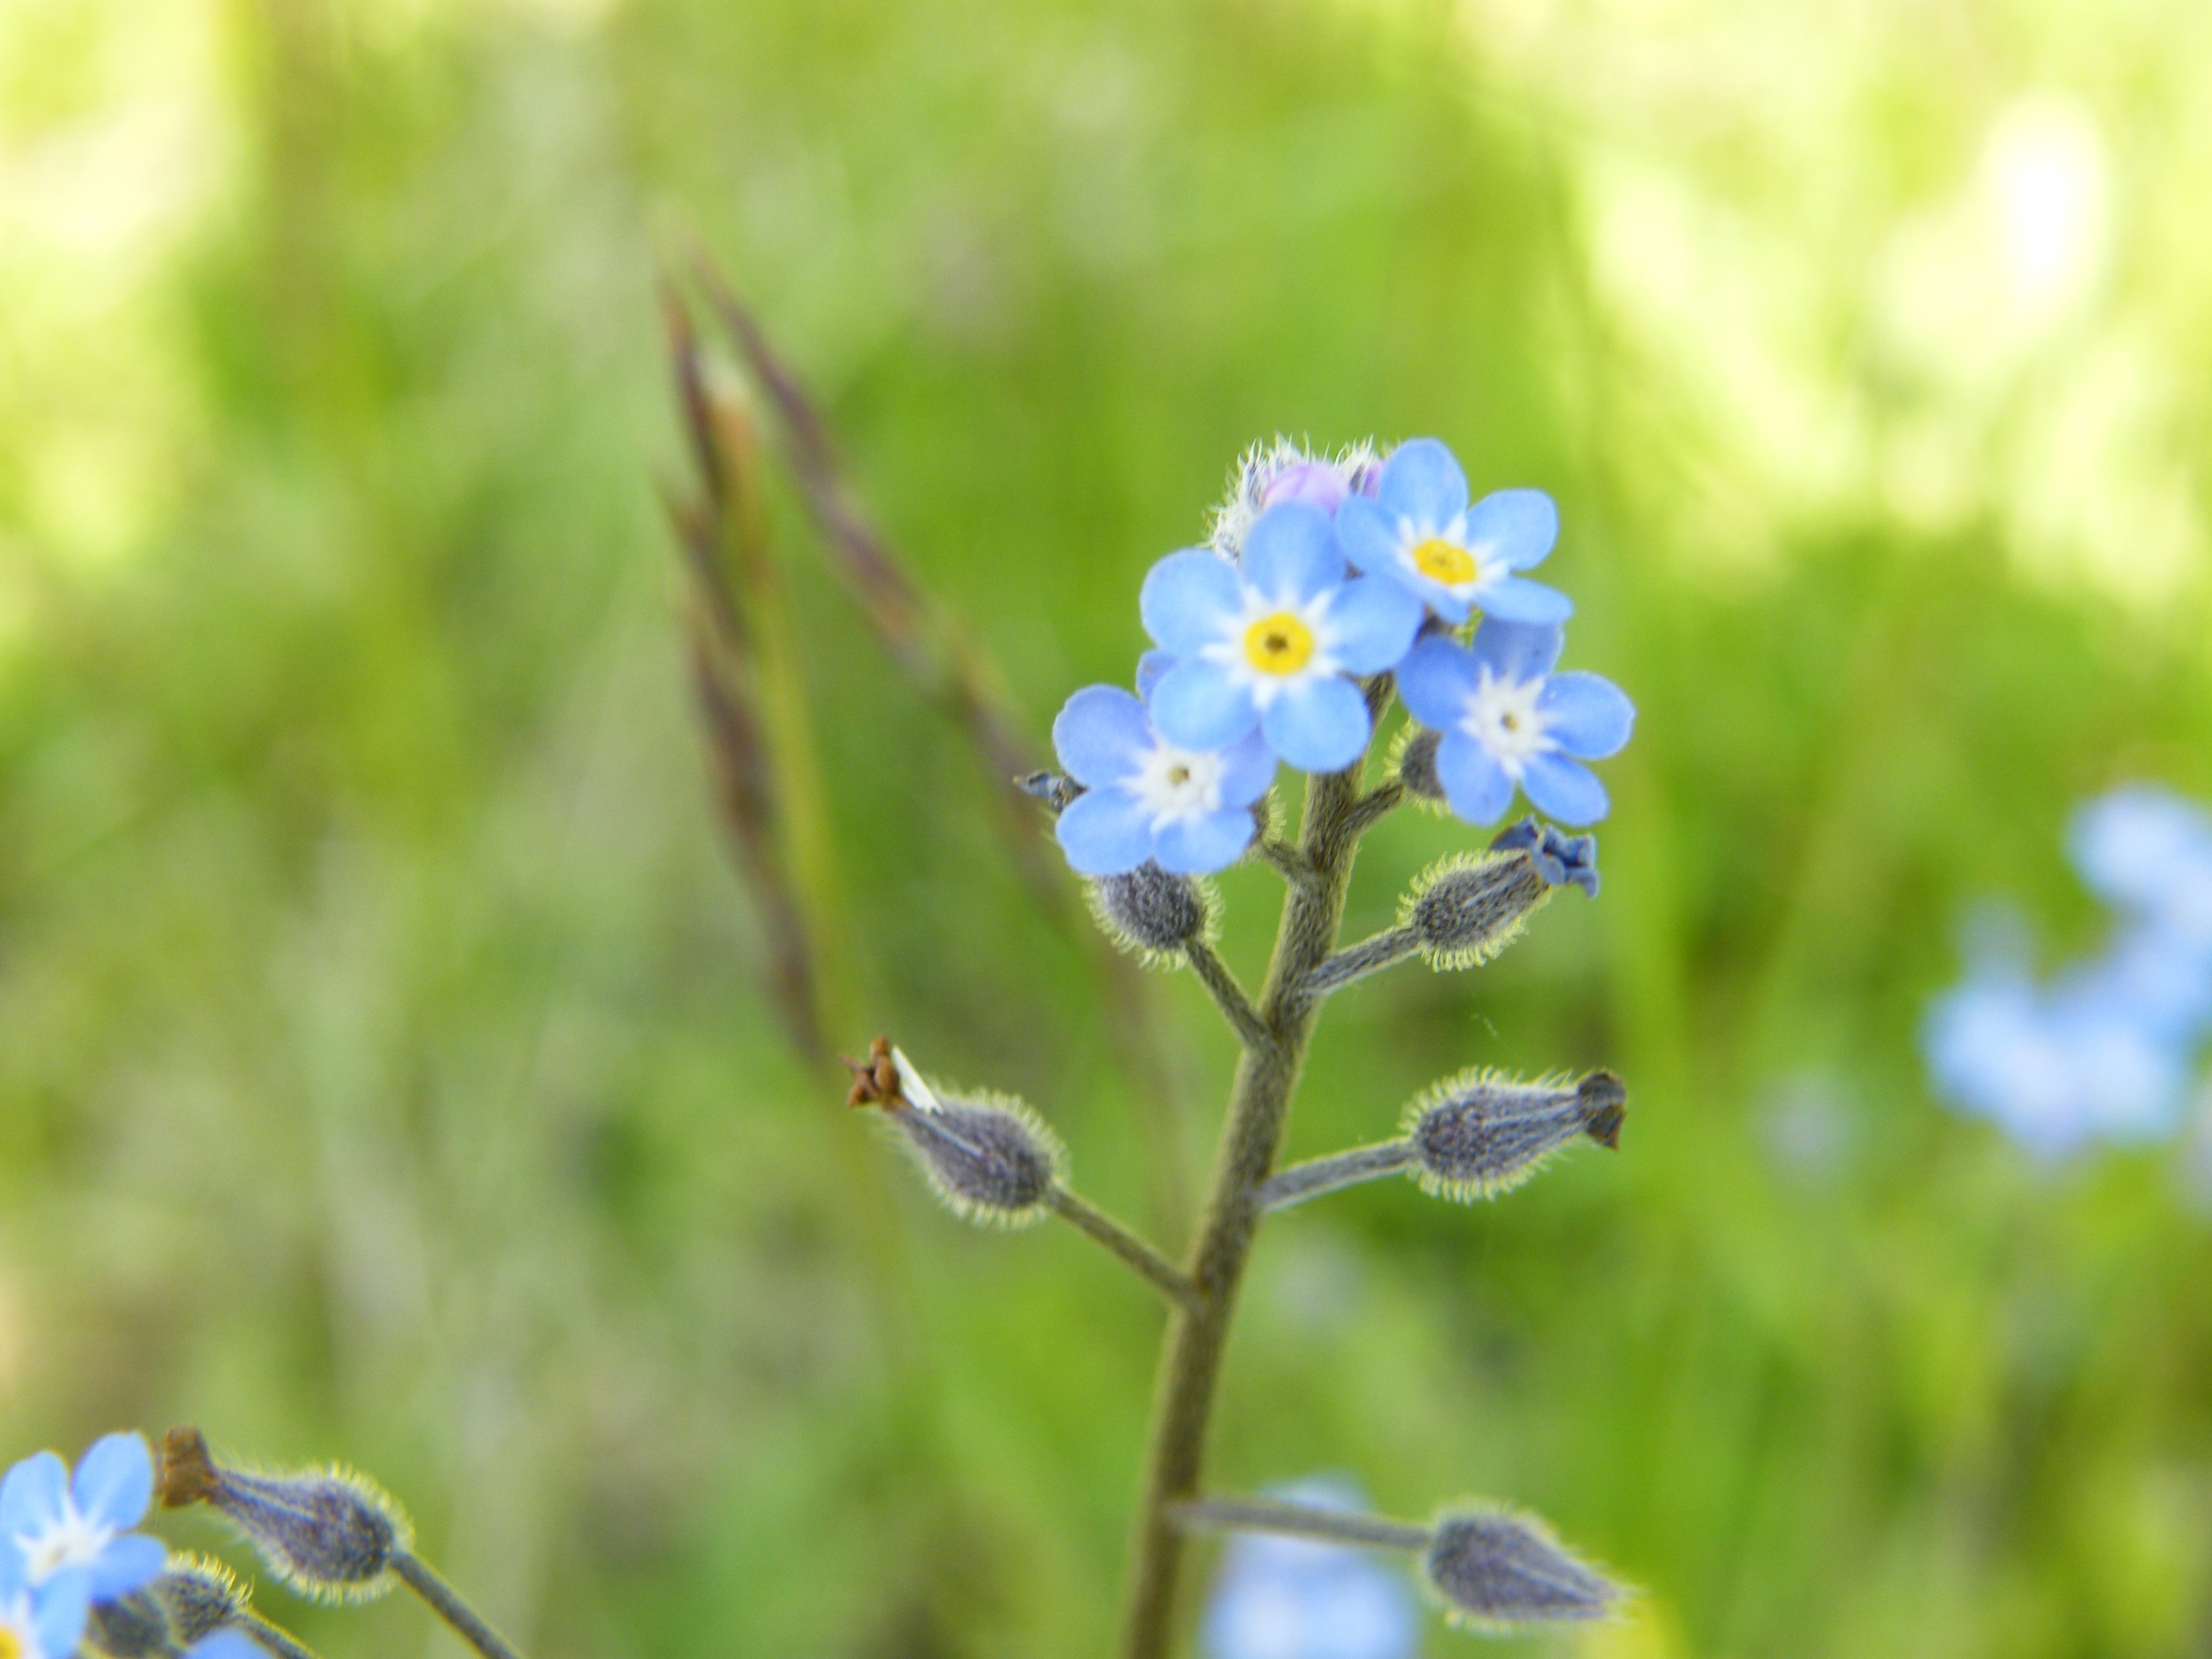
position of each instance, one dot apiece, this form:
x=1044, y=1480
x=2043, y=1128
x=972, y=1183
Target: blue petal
x=1199, y=846
x=228, y=1642
x=59, y=1608
x=115, y=1481
x=1367, y=535
x=1586, y=715
x=1200, y=705
x=1318, y=725
x=1436, y=679
x=1104, y=833
x=1101, y=735
x=129, y=1563
x=1190, y=599
x=1248, y=766
x=1519, y=527
x=31, y=1497
x=1517, y=600
x=1370, y=623
x=1564, y=789
x=1150, y=667
x=1474, y=784
x=1517, y=650
x=1290, y=554
x=1423, y=482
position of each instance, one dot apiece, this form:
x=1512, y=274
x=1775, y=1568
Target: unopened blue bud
x=1481, y=1133
x=1566, y=861
x=331, y=1532
x=1417, y=765
x=1495, y=1570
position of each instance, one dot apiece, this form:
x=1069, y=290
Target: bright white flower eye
x=1503, y=717
x=1173, y=784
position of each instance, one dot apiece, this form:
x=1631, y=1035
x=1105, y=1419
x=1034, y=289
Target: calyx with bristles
x=1496, y=1570
x=988, y=1155
x=1151, y=912
x=1465, y=908
x=1480, y=1132
x=331, y=1534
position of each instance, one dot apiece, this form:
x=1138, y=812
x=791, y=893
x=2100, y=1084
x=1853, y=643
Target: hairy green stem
x=1358, y=961
x=1092, y=1222
x=1299, y=1520
x=445, y=1601
x=1228, y=995
x=1328, y=1175
x=274, y=1638
x=1259, y=1104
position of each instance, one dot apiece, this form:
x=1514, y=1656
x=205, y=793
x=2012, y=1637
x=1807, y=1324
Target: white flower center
x=1174, y=784
x=1503, y=717
x=70, y=1540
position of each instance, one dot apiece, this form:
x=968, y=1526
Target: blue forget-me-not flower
x=59, y=1525
x=2149, y=851
x=1272, y=642
x=1144, y=798
x=1508, y=722
x=1291, y=1598
x=1420, y=532
x=44, y=1621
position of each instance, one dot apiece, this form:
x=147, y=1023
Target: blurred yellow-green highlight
x=388, y=1070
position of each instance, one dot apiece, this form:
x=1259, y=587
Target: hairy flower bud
x=1468, y=908
x=988, y=1157
x=1416, y=765
x=330, y=1533
x=200, y=1596
x=1481, y=1133
x=1151, y=912
x=132, y=1626
x=1494, y=1570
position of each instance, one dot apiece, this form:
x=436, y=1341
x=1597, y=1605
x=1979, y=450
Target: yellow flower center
x=11, y=1645
x=1279, y=644
x=1444, y=561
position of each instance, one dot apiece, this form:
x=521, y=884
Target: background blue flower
x=1291, y=1598
x=1190, y=810
x=1419, y=532
x=1508, y=721
x=43, y=1620
x=1272, y=643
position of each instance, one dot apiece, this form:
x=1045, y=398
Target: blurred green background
x=383, y=1069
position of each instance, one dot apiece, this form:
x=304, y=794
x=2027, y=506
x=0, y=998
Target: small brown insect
x=876, y=1080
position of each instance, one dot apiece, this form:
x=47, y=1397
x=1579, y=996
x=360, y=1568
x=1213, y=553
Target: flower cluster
x=2106, y=1048
x=1321, y=576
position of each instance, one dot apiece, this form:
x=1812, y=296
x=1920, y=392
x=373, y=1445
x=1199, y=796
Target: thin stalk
x=274, y=1638
x=1228, y=995
x=1372, y=807
x=1299, y=1520
x=1289, y=863
x=443, y=1599
x=1332, y=1174
x=1358, y=961
x=1259, y=1105
x=1156, y=1269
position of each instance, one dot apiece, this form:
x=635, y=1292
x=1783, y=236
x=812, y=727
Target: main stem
x=1259, y=1104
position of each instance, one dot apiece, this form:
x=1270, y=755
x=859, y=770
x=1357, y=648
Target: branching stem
x=1228, y=995
x=1259, y=1104
x=1300, y=1520
x=1374, y=805
x=1328, y=1175
x=1156, y=1269
x=445, y=1601
x=1289, y=863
